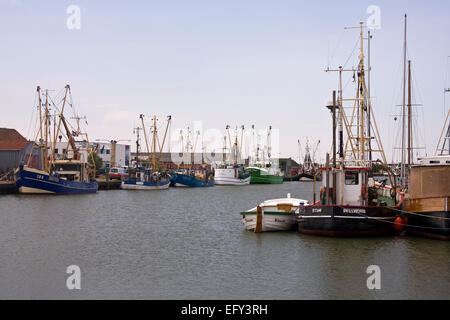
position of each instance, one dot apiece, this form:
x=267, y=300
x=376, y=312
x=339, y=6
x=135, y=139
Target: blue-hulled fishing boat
x=192, y=178
x=70, y=175
x=145, y=177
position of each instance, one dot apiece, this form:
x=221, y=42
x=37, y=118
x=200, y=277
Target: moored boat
x=232, y=172
x=428, y=201
x=264, y=176
x=70, y=175
x=231, y=176
x=193, y=178
x=273, y=215
x=350, y=204
x=145, y=179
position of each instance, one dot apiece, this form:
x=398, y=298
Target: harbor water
x=190, y=244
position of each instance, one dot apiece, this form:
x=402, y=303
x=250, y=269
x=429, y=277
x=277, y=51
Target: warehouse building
x=14, y=150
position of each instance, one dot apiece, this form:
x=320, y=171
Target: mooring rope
x=401, y=224
x=419, y=214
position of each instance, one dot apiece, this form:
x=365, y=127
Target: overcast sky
x=230, y=62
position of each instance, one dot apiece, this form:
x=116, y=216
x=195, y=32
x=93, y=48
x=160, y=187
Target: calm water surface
x=191, y=244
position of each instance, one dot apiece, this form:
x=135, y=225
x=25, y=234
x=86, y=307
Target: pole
x=327, y=171
x=334, y=148
x=404, y=107
x=368, y=93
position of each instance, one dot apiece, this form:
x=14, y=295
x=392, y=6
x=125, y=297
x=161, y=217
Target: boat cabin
x=71, y=170
x=351, y=186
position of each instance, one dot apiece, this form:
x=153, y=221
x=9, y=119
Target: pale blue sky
x=221, y=62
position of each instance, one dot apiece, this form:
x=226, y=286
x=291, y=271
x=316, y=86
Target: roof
x=10, y=139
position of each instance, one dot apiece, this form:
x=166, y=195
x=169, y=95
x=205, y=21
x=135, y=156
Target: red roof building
x=10, y=139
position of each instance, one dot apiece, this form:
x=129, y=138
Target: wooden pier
x=8, y=187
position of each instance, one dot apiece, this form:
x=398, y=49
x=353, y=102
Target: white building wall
x=103, y=151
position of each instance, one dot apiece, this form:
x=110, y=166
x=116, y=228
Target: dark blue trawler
x=70, y=175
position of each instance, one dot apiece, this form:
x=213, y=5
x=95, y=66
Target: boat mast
x=47, y=132
x=169, y=118
x=269, y=145
x=409, y=119
x=136, y=131
x=369, y=69
x=403, y=160
x=444, y=140
x=145, y=135
x=154, y=142
x=55, y=133
x=41, y=139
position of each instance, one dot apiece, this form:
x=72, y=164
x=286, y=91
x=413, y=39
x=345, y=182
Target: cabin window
x=64, y=151
x=434, y=162
x=351, y=178
x=107, y=151
x=56, y=151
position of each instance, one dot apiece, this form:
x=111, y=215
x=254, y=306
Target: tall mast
x=145, y=135
x=154, y=142
x=56, y=131
x=47, y=128
x=409, y=115
x=41, y=139
x=136, y=130
x=445, y=140
x=403, y=173
x=361, y=101
x=369, y=36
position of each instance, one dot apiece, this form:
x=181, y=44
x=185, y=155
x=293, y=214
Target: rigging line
x=351, y=54
x=330, y=58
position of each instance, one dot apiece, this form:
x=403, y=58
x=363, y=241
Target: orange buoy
x=399, y=224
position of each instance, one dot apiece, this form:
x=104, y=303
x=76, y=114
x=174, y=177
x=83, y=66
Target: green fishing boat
x=264, y=176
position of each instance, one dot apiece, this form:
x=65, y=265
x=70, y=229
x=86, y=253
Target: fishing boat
x=350, y=203
x=145, y=179
x=428, y=200
x=260, y=175
x=233, y=174
x=193, y=178
x=426, y=179
x=309, y=167
x=273, y=215
x=72, y=174
x=148, y=176
x=190, y=175
x=262, y=168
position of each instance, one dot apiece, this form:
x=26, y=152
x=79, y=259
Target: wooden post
x=259, y=220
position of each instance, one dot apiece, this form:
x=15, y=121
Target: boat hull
x=184, y=180
x=271, y=221
x=258, y=178
x=224, y=181
x=33, y=181
x=133, y=185
x=346, y=221
x=428, y=217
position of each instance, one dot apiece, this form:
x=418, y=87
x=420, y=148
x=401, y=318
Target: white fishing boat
x=232, y=172
x=273, y=215
x=231, y=176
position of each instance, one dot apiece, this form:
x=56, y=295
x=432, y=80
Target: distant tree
x=94, y=159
